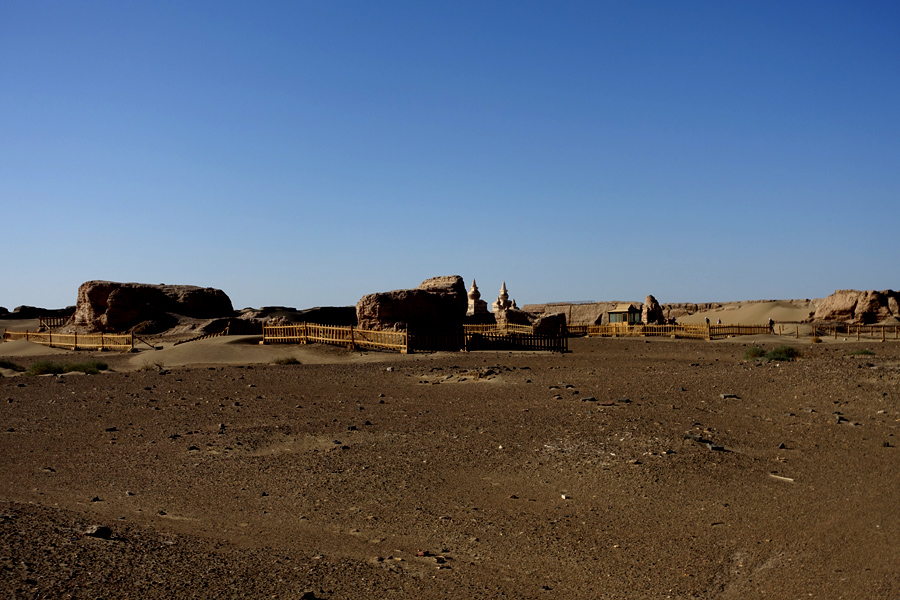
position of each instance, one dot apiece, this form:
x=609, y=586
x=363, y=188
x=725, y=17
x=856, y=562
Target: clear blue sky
x=307, y=153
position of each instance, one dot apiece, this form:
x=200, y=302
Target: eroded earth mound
x=438, y=303
x=112, y=306
x=858, y=307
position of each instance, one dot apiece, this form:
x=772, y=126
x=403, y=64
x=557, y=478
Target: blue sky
x=307, y=153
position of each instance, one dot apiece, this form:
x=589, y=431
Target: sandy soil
x=624, y=469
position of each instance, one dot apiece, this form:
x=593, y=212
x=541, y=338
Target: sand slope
x=246, y=350
x=752, y=313
x=23, y=348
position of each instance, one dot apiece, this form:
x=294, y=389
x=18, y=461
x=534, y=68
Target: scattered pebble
x=98, y=531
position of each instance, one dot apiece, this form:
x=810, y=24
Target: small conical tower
x=502, y=300
x=476, y=304
x=474, y=294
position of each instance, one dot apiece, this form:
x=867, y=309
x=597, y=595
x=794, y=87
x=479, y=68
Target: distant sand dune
x=755, y=313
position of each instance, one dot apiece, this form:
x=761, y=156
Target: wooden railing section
x=882, y=332
x=494, y=340
x=699, y=331
x=494, y=328
x=349, y=336
x=577, y=330
x=75, y=341
x=405, y=342
x=234, y=327
x=45, y=323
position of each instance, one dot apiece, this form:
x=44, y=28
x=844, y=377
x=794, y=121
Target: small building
x=625, y=313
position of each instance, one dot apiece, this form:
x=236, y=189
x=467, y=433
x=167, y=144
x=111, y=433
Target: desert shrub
x=48, y=367
x=8, y=364
x=865, y=352
x=90, y=367
x=45, y=367
x=782, y=354
x=754, y=352
x=287, y=360
x=151, y=366
x=815, y=340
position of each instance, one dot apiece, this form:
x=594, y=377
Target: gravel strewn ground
x=623, y=469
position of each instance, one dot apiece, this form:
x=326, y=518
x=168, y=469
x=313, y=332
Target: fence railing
x=882, y=332
x=517, y=341
x=75, y=341
x=349, y=336
x=404, y=342
x=699, y=331
x=494, y=328
x=577, y=330
x=51, y=322
x=233, y=327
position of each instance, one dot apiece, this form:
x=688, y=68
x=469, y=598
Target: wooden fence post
x=797, y=331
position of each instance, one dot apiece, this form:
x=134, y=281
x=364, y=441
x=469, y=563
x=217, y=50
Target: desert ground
x=626, y=468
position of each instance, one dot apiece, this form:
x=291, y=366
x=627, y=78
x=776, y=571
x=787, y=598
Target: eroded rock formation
x=436, y=304
x=652, y=312
x=860, y=307
x=112, y=306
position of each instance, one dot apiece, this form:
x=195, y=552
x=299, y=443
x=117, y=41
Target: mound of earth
x=854, y=306
x=438, y=303
x=109, y=306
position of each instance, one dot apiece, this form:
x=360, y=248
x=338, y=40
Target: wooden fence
x=517, y=341
x=495, y=328
x=404, y=342
x=699, y=331
x=882, y=332
x=233, y=327
x=45, y=323
x=718, y=332
x=439, y=341
x=351, y=337
x=75, y=341
x=577, y=330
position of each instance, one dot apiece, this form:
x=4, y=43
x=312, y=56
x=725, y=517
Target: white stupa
x=476, y=304
x=502, y=301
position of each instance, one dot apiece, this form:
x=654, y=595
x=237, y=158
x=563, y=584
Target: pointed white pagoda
x=476, y=304
x=502, y=301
